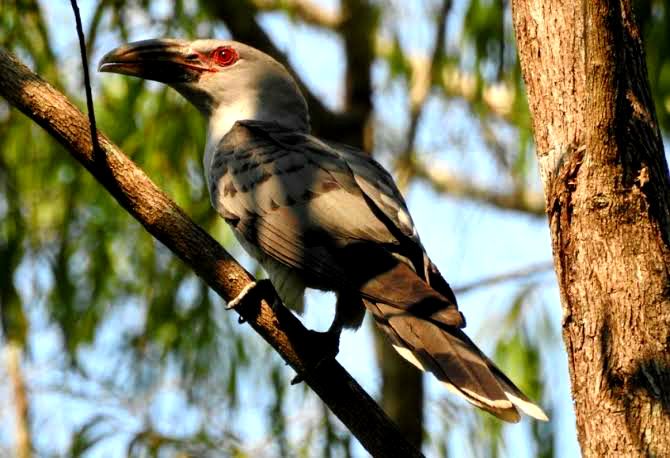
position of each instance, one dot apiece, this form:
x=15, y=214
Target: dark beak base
x=163, y=60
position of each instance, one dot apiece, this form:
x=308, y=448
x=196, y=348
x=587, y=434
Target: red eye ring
x=225, y=56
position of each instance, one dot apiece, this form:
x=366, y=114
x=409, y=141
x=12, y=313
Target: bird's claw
x=242, y=296
x=330, y=342
x=251, y=292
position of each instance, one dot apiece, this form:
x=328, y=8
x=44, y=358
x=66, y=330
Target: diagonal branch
x=162, y=218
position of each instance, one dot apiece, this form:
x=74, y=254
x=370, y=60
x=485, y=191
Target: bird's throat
x=221, y=120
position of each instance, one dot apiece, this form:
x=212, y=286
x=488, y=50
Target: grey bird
x=316, y=214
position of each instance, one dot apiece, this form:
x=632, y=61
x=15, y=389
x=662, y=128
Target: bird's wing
x=379, y=187
x=286, y=200
x=318, y=209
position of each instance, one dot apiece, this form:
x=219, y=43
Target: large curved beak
x=164, y=60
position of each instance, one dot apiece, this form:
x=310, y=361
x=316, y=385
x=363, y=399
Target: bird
x=318, y=214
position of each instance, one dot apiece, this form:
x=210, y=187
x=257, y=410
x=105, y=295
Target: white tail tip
x=527, y=407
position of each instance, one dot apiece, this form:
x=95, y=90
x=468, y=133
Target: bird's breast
x=240, y=191
x=287, y=282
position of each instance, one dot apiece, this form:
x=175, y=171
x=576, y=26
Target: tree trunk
x=402, y=390
x=607, y=193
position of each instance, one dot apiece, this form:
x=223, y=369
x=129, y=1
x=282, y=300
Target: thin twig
x=87, y=80
x=518, y=274
x=442, y=181
x=421, y=83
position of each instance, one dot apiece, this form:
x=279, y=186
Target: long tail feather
x=455, y=360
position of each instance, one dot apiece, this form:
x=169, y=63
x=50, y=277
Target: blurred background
x=112, y=347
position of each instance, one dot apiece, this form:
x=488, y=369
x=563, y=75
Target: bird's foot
x=326, y=346
x=254, y=291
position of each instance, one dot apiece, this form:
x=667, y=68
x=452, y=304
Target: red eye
x=225, y=56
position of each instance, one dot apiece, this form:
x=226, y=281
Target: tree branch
x=439, y=178
x=498, y=98
x=421, y=82
x=306, y=10
x=518, y=274
x=423, y=76
x=162, y=218
x=358, y=32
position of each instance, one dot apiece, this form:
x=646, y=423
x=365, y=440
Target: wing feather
x=301, y=201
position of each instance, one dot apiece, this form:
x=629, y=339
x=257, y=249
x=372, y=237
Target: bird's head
x=226, y=80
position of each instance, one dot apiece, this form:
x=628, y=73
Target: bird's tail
x=455, y=360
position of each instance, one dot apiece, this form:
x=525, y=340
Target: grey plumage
x=321, y=215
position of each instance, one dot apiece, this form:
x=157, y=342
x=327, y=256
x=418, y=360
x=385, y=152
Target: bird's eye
x=225, y=56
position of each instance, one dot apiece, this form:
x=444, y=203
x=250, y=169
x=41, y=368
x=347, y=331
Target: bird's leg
x=349, y=313
x=326, y=346
x=255, y=290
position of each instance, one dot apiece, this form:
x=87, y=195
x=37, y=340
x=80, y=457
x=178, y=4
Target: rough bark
x=607, y=194
x=161, y=217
